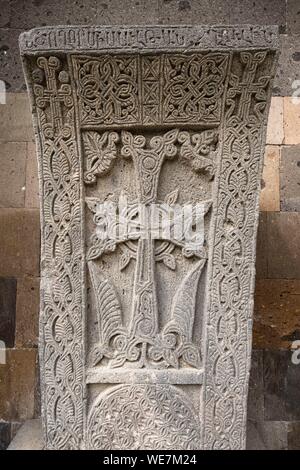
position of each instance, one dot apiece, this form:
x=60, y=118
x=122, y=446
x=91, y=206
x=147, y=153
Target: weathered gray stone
x=15, y=121
x=258, y=12
x=8, y=290
x=155, y=327
x=275, y=364
x=261, y=247
x=293, y=436
x=256, y=387
x=30, y=13
x=5, y=13
x=223, y=12
x=127, y=12
x=282, y=249
x=288, y=70
x=293, y=16
x=10, y=64
x=282, y=391
x=4, y=435
x=292, y=393
x=27, y=312
x=28, y=437
x=12, y=176
x=290, y=178
x=268, y=435
x=194, y=12
x=19, y=235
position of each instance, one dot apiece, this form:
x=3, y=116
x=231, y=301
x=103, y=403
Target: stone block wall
x=274, y=397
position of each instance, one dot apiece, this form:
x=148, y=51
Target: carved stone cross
x=157, y=355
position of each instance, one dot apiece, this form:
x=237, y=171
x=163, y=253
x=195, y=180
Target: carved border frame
x=222, y=392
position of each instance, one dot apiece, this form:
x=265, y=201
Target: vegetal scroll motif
x=100, y=152
x=61, y=342
x=234, y=250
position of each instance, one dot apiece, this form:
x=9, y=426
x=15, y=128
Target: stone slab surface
x=261, y=247
x=28, y=437
x=8, y=290
x=291, y=116
x=19, y=234
x=28, y=305
x=256, y=388
x=288, y=70
x=5, y=433
x=119, y=320
x=282, y=248
x=15, y=119
x=17, y=380
x=290, y=178
x=293, y=16
x=269, y=196
x=275, y=135
x=276, y=313
x=268, y=435
x=282, y=392
x=32, y=186
x=12, y=176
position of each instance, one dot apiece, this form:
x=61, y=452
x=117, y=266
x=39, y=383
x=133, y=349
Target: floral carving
x=100, y=152
x=154, y=417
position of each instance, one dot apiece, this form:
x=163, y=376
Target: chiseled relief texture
x=150, y=144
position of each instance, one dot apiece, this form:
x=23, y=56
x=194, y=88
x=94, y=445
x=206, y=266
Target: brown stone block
x=32, y=183
x=269, y=196
x=8, y=289
x=17, y=382
x=276, y=313
x=15, y=119
x=290, y=178
x=255, y=406
x=19, y=242
x=291, y=116
x=27, y=315
x=275, y=366
x=283, y=245
x=275, y=133
x=281, y=386
x=267, y=435
x=5, y=433
x=261, y=247
x=12, y=174
x=293, y=435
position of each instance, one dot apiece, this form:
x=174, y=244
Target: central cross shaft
x=147, y=166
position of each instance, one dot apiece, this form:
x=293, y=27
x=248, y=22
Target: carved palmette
x=159, y=324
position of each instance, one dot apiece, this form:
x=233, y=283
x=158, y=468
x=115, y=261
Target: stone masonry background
x=274, y=397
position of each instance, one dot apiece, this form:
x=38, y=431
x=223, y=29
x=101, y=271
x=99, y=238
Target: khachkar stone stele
x=150, y=143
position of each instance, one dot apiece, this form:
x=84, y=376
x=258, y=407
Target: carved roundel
x=143, y=417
